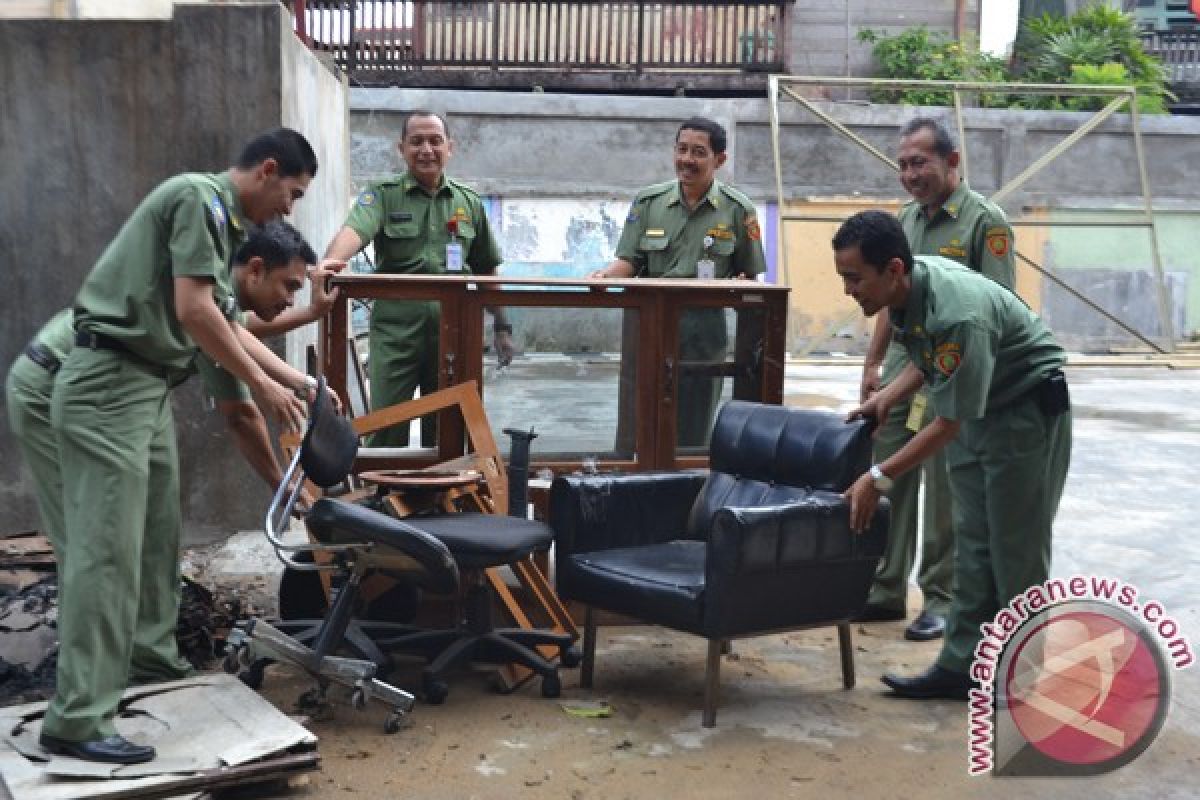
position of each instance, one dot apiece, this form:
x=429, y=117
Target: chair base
x=476, y=641
x=254, y=643
x=712, y=663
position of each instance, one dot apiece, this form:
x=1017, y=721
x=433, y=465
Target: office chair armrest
x=600, y=512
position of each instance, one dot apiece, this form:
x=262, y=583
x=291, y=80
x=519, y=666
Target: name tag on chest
x=400, y=216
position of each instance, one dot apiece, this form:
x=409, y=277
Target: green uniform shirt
x=411, y=227
x=968, y=229
x=977, y=344
x=190, y=225
x=662, y=239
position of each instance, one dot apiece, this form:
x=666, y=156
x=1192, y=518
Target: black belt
x=41, y=355
x=99, y=341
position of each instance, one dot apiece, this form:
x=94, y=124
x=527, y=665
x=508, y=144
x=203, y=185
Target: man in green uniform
x=421, y=222
x=945, y=218
x=693, y=227
x=1000, y=407
x=159, y=291
x=30, y=385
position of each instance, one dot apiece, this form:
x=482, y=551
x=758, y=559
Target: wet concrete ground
x=786, y=728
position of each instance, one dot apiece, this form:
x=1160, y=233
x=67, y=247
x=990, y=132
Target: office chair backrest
x=764, y=455
x=330, y=443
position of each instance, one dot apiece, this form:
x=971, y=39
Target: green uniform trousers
x=702, y=337
x=119, y=593
x=1007, y=472
x=403, y=344
x=27, y=393
x=936, y=574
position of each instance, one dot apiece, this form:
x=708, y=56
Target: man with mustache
x=421, y=222
x=693, y=227
x=1000, y=408
x=945, y=218
x=161, y=291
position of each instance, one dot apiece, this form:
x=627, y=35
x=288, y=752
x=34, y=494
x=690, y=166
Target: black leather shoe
x=925, y=627
x=933, y=682
x=113, y=749
x=874, y=613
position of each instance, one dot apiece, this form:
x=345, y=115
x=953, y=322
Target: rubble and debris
x=28, y=642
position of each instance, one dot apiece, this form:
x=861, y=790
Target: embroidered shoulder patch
x=997, y=244
x=752, y=229
x=367, y=198
x=947, y=357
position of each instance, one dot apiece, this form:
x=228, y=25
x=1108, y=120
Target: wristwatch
x=502, y=327
x=882, y=482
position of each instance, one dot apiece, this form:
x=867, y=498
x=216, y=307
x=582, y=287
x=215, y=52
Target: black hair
x=717, y=137
x=943, y=140
x=290, y=149
x=878, y=236
x=276, y=243
x=420, y=112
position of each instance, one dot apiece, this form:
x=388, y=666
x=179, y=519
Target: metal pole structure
x=842, y=129
x=1120, y=96
x=1054, y=152
x=773, y=114
x=962, y=130
x=1164, y=301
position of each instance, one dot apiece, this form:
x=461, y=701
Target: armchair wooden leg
x=712, y=682
x=846, y=644
x=589, y=648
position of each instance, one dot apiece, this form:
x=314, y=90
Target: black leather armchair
x=761, y=543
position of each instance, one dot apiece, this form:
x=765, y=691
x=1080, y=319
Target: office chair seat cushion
x=485, y=540
x=334, y=521
x=663, y=583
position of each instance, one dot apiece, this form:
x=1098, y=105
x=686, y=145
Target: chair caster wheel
x=434, y=690
x=313, y=698
x=252, y=676
x=393, y=722
x=232, y=663
x=358, y=700
x=571, y=657
x=551, y=685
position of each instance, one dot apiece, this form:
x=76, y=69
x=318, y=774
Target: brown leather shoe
x=115, y=749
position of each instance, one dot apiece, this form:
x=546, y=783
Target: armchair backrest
x=766, y=455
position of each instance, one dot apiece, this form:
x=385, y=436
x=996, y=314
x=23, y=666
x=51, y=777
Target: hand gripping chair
x=354, y=542
x=759, y=544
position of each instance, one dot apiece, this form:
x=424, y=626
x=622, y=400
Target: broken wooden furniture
x=760, y=544
x=353, y=542
x=629, y=329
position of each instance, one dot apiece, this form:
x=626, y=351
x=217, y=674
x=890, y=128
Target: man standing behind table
x=945, y=218
x=422, y=223
x=693, y=227
x=1000, y=407
x=161, y=291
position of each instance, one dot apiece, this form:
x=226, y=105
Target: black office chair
x=427, y=550
x=352, y=542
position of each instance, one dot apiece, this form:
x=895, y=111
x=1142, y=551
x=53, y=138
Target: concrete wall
x=568, y=151
x=96, y=114
x=824, y=36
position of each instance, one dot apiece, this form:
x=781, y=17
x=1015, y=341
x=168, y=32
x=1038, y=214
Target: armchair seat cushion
x=663, y=582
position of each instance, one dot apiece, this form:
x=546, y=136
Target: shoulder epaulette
x=654, y=190
x=738, y=197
